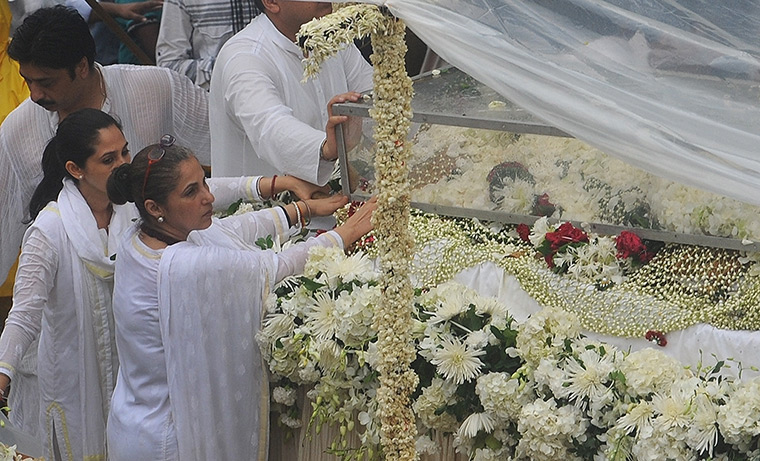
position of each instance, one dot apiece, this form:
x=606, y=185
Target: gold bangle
x=307, y=220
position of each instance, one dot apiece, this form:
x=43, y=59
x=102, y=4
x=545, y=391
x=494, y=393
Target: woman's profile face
x=189, y=205
x=111, y=151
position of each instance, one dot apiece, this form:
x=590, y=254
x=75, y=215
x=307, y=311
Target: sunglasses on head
x=157, y=154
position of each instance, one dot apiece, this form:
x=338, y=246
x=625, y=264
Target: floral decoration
x=537, y=390
x=391, y=111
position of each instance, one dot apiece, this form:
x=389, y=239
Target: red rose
x=630, y=245
x=566, y=233
x=523, y=230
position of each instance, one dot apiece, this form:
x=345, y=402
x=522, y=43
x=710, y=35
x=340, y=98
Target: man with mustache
x=55, y=52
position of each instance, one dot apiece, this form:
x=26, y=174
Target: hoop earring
x=160, y=219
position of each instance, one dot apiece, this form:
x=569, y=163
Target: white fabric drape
x=670, y=86
x=217, y=380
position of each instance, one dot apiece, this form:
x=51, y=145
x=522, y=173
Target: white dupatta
x=209, y=296
x=93, y=296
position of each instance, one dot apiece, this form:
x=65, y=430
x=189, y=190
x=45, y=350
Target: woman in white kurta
x=187, y=302
x=63, y=289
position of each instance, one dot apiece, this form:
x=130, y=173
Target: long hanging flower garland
x=392, y=112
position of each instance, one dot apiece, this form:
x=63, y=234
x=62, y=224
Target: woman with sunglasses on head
x=187, y=304
x=63, y=289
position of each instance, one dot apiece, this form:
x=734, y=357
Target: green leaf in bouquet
x=507, y=337
x=234, y=207
x=470, y=319
x=310, y=284
x=265, y=243
x=425, y=371
x=618, y=376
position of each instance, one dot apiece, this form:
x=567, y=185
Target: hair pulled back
x=126, y=182
x=56, y=37
x=75, y=140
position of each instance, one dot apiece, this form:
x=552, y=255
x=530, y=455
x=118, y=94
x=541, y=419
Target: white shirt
x=147, y=420
x=148, y=101
x=266, y=121
x=192, y=33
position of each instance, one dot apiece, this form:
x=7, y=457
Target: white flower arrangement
x=538, y=390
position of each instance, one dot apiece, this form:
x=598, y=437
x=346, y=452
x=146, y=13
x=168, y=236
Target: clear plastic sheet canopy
x=670, y=86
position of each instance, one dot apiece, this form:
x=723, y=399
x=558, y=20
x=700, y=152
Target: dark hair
x=56, y=37
x=243, y=11
x=126, y=182
x=75, y=140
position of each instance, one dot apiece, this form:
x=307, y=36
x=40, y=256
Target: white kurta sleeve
x=229, y=190
x=277, y=136
x=34, y=281
x=252, y=226
x=292, y=260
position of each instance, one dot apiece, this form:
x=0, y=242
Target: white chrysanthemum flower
x=703, y=432
x=457, y=362
x=450, y=308
x=354, y=267
x=638, y=418
x=672, y=410
x=321, y=316
x=588, y=377
x=276, y=326
x=475, y=423
x=495, y=308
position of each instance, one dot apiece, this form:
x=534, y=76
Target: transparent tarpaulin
x=672, y=87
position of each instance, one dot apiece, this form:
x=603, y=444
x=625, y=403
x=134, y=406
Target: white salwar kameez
x=63, y=295
x=192, y=385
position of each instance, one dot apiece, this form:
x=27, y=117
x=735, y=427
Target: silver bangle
x=258, y=188
x=298, y=215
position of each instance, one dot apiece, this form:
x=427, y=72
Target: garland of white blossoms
x=392, y=111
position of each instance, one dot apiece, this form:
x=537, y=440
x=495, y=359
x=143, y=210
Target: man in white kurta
x=148, y=101
x=266, y=120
